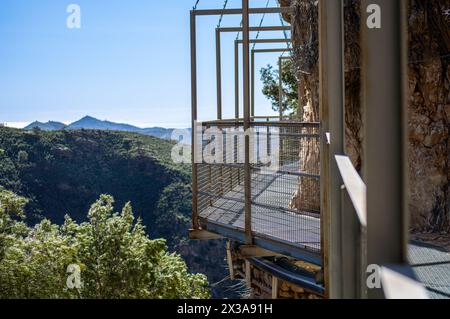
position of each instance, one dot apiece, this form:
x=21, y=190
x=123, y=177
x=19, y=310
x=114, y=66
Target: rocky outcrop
x=429, y=88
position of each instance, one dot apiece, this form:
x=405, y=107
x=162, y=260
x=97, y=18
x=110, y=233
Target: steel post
x=218, y=75
x=384, y=79
x=332, y=102
x=195, y=223
x=246, y=75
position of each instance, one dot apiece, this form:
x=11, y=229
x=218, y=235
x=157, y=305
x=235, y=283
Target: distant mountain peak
x=88, y=117
x=91, y=123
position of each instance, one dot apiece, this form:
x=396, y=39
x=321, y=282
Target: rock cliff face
x=429, y=103
x=429, y=87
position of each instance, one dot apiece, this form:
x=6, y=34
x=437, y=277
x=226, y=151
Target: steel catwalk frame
x=219, y=32
x=245, y=12
x=252, y=73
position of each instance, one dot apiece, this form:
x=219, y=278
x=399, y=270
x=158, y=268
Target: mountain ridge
x=92, y=123
x=48, y=126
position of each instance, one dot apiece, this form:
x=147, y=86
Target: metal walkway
x=431, y=265
x=297, y=229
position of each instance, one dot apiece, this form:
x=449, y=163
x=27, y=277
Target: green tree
x=116, y=258
x=271, y=86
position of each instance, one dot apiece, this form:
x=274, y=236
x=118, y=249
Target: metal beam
x=193, y=30
x=209, y=12
x=384, y=61
x=280, y=89
x=253, y=29
x=332, y=102
x=198, y=234
x=247, y=167
x=252, y=82
x=248, y=274
x=272, y=50
x=230, y=261
x=250, y=251
x=284, y=248
x=218, y=75
x=355, y=187
x=267, y=41
x=236, y=80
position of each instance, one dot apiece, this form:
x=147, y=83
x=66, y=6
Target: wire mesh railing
x=285, y=190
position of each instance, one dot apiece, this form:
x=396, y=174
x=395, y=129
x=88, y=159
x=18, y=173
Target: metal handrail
x=398, y=281
x=260, y=123
x=353, y=230
x=354, y=186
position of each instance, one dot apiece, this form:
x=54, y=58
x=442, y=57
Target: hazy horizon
x=139, y=125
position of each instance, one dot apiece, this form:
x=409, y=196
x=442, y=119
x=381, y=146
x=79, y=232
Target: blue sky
x=129, y=62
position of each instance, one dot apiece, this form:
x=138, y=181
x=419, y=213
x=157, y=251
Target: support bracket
x=251, y=251
x=200, y=234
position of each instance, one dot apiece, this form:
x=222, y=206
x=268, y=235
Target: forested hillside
x=64, y=172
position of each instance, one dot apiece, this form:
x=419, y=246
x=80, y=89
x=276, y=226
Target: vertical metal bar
x=362, y=262
x=195, y=224
x=253, y=82
x=236, y=104
x=385, y=107
x=236, y=79
x=350, y=251
x=248, y=274
x=280, y=88
x=219, y=75
x=332, y=102
x=230, y=261
x=210, y=184
x=247, y=167
x=280, y=106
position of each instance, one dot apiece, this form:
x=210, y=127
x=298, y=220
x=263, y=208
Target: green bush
x=111, y=249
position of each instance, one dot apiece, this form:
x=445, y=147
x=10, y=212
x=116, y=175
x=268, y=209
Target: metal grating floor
x=277, y=223
x=432, y=267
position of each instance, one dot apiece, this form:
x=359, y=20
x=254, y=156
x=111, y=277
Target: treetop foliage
x=115, y=257
x=271, y=87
